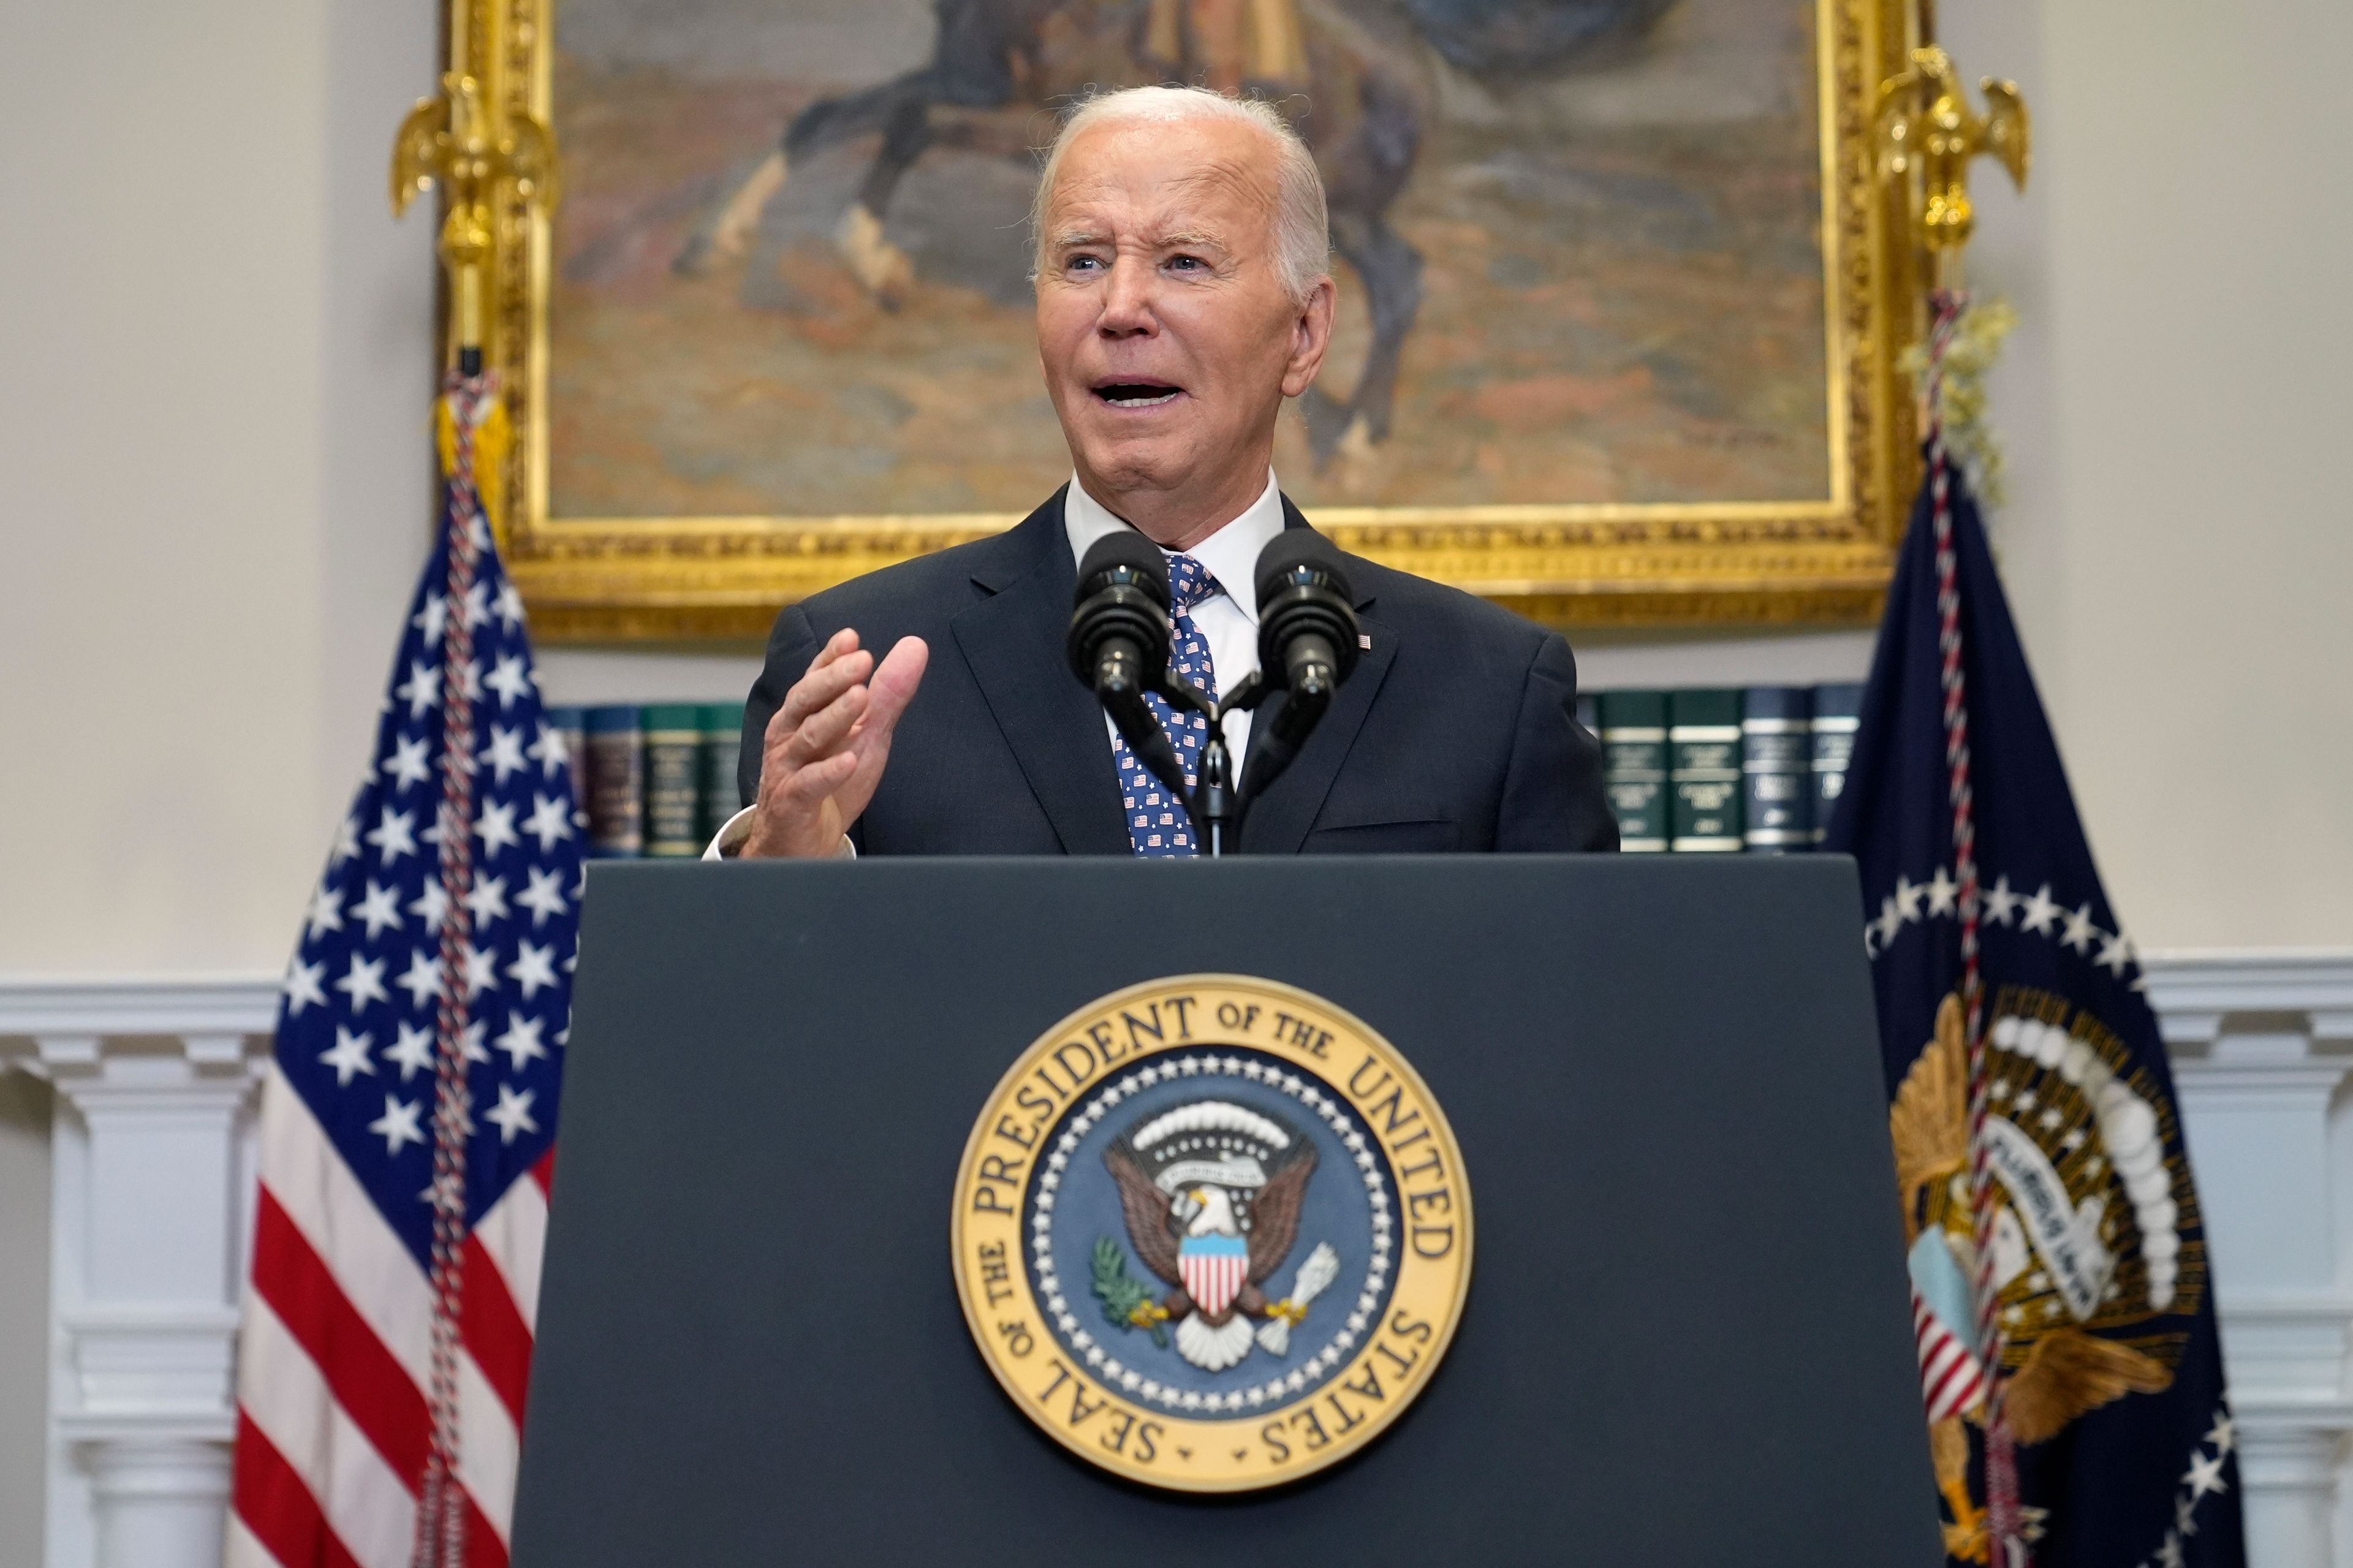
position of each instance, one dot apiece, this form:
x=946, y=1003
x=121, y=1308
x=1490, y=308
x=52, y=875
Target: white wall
x=214, y=362
x=2180, y=549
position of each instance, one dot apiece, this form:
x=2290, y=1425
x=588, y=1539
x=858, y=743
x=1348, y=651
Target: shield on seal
x=1213, y=1268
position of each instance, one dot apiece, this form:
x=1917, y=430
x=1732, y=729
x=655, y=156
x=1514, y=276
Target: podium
x=1686, y=1339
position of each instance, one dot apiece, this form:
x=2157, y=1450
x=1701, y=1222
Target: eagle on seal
x=1211, y=1192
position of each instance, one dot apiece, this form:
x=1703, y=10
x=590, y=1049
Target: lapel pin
x=1364, y=641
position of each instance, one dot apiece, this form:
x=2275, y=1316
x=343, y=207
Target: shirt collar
x=1230, y=554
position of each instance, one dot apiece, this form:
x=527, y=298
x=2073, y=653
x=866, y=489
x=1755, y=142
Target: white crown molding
x=2195, y=990
x=209, y=1006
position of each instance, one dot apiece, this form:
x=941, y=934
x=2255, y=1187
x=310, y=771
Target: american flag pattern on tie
x=1158, y=823
x=371, y=1383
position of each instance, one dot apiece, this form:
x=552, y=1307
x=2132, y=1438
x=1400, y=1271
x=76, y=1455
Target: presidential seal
x=1212, y=1233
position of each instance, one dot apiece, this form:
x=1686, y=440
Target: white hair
x=1302, y=236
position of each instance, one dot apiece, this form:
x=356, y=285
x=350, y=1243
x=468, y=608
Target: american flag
x=408, y=1117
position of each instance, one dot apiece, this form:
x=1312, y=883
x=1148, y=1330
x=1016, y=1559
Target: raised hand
x=827, y=746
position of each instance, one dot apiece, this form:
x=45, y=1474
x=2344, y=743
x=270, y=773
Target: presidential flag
x=408, y=1115
x=2062, y=1300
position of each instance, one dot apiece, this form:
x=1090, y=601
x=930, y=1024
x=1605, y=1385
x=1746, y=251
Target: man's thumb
x=893, y=685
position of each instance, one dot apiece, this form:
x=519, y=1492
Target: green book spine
x=1634, y=759
x=617, y=781
x=1838, y=714
x=1775, y=755
x=673, y=780
x=723, y=747
x=1703, y=761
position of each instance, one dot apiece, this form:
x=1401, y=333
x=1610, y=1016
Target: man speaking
x=1181, y=297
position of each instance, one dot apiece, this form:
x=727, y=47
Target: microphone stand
x=1313, y=637
x=1216, y=806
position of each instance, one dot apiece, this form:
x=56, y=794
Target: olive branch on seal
x=1126, y=1301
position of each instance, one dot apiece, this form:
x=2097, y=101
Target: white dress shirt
x=1228, y=621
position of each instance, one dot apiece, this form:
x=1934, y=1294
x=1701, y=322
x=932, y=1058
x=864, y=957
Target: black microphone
x=1306, y=643
x=1119, y=630
x=1119, y=643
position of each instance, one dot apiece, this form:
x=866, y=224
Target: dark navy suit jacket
x=1456, y=732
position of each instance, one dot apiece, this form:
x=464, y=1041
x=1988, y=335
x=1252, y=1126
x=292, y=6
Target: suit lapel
x=1012, y=641
x=1277, y=823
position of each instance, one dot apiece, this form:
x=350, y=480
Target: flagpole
x=483, y=154
x=1930, y=135
x=2002, y=1518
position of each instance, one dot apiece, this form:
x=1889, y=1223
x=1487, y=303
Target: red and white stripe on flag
x=1951, y=1380
x=334, y=1362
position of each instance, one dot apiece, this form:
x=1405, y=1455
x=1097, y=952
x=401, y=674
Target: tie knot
x=1189, y=584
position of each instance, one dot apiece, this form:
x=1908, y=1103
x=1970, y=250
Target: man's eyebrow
x=1191, y=239
x=1176, y=239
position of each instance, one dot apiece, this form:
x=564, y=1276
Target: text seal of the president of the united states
x=1212, y=1233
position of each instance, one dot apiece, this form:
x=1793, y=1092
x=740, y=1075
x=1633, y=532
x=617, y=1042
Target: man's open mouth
x=1136, y=394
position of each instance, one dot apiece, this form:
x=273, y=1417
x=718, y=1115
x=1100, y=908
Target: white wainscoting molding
x=151, y=1199
x=2262, y=1044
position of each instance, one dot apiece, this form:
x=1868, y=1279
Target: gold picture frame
x=1721, y=563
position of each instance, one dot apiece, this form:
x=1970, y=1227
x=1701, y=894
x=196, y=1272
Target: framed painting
x=1621, y=295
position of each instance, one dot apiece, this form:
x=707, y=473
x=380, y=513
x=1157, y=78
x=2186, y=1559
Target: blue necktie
x=1157, y=824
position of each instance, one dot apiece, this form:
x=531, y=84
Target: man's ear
x=1311, y=335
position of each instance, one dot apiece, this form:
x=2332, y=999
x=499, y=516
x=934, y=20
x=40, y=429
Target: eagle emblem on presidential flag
x=2096, y=1238
x=1211, y=1192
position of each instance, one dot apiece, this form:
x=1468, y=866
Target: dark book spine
x=571, y=726
x=1838, y=714
x=616, y=783
x=1776, y=760
x=1635, y=760
x=673, y=733
x=723, y=747
x=1703, y=761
